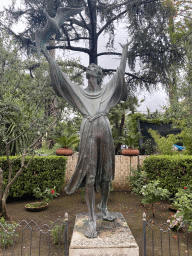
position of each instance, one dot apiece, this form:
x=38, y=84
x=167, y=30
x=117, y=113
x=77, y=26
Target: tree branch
x=87, y=25
x=69, y=47
x=23, y=40
x=72, y=64
x=108, y=53
x=128, y=74
x=74, y=39
x=79, y=23
x=110, y=21
x=8, y=161
x=118, y=5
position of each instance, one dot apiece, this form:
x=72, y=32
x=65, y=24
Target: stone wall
x=123, y=167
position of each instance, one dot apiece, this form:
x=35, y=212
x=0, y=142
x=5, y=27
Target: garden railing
x=158, y=239
x=28, y=238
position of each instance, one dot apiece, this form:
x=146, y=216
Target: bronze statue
x=96, y=162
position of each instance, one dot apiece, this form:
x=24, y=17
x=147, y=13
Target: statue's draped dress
x=96, y=150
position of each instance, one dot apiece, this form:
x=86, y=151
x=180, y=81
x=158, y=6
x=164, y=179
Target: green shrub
x=150, y=147
x=46, y=151
x=164, y=143
x=173, y=172
x=46, y=196
x=137, y=180
x=6, y=238
x=152, y=193
x=43, y=172
x=57, y=234
x=183, y=201
x=186, y=135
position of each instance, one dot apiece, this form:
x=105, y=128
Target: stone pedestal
x=114, y=238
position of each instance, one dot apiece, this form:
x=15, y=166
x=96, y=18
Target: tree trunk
x=6, y=191
x=120, y=132
x=93, y=33
x=122, y=124
x=172, y=90
x=1, y=189
x=4, y=207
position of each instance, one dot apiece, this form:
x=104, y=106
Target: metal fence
x=28, y=238
x=159, y=239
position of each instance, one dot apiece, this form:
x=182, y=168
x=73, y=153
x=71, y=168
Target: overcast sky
x=153, y=101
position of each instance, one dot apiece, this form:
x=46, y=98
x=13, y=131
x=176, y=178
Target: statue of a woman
x=96, y=162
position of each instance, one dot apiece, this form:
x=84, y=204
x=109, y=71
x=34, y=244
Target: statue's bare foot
x=106, y=215
x=91, y=230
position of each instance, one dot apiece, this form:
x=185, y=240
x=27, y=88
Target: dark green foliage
x=183, y=202
x=148, y=25
x=66, y=141
x=173, y=172
x=57, y=234
x=137, y=180
x=152, y=193
x=67, y=127
x=146, y=22
x=25, y=104
x=10, y=234
x=165, y=143
x=153, y=118
x=186, y=135
x=118, y=120
x=149, y=146
x=156, y=121
x=43, y=172
x=130, y=140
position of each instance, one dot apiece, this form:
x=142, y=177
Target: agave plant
x=20, y=143
x=65, y=141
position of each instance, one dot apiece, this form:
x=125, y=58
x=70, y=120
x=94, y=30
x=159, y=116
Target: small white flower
x=144, y=186
x=168, y=221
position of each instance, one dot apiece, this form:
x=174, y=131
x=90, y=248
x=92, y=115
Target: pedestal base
x=114, y=238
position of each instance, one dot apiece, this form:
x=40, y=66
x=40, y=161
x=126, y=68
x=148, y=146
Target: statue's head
x=95, y=71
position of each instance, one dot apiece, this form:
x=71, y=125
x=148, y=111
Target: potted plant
x=65, y=142
x=130, y=140
x=45, y=197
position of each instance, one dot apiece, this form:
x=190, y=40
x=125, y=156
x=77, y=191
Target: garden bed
x=124, y=202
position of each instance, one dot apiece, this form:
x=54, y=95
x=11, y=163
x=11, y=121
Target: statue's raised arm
x=116, y=88
x=62, y=85
x=122, y=65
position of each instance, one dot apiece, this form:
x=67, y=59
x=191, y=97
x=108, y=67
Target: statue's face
x=92, y=70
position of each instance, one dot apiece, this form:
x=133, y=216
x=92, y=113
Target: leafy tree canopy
x=181, y=35
x=27, y=101
x=146, y=23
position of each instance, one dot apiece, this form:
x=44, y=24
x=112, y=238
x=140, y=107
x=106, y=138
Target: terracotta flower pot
x=130, y=151
x=64, y=151
x=36, y=207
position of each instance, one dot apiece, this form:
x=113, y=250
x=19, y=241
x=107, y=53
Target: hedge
x=173, y=172
x=43, y=172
